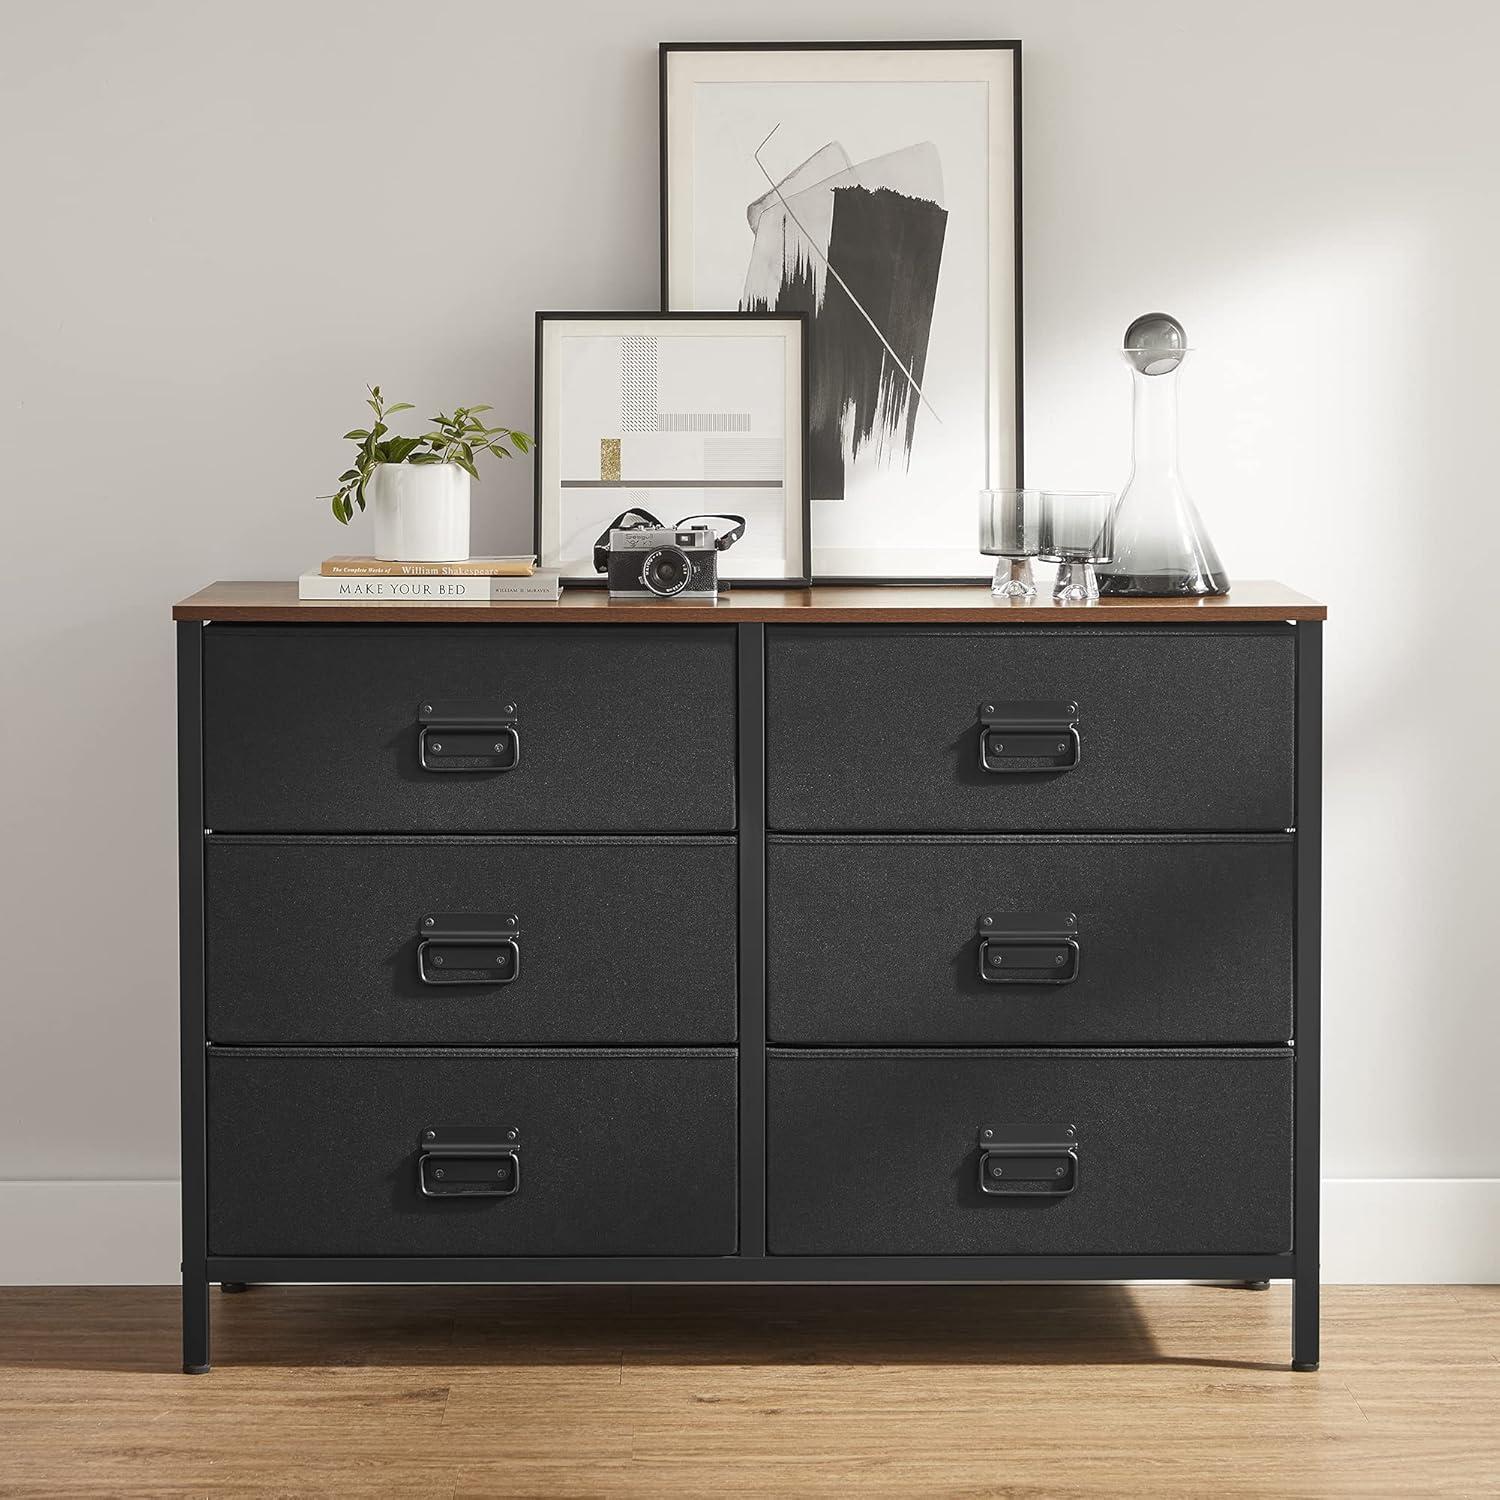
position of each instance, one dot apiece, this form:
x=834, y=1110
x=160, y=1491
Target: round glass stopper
x=1155, y=343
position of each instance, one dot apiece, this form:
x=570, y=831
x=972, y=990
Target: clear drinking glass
x=1077, y=532
x=1010, y=528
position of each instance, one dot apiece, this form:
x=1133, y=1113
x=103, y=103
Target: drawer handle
x=1029, y=947
x=472, y=736
x=469, y=1161
x=469, y=948
x=1017, y=739
x=1028, y=1161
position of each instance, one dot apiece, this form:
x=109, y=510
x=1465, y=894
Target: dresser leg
x=194, y=1323
x=1305, y=1321
x=1257, y=1286
x=1308, y=981
x=234, y=1286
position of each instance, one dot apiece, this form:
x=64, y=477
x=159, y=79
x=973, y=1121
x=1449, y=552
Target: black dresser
x=889, y=935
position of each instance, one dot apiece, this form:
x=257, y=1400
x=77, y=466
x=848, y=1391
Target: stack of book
x=477, y=579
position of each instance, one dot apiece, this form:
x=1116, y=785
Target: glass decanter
x=1160, y=546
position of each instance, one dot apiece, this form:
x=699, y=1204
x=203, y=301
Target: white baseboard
x=1394, y=1229
x=1383, y=1230
x=90, y=1233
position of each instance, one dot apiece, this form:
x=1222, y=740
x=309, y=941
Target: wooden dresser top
x=277, y=602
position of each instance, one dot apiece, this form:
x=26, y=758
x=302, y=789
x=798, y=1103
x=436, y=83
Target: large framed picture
x=680, y=415
x=875, y=187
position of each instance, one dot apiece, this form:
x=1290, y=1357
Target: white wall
x=221, y=220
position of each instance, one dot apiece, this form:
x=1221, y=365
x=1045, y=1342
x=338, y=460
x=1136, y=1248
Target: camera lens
x=667, y=571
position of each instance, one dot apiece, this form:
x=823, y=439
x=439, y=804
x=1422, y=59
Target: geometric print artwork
x=638, y=385
x=724, y=444
x=638, y=401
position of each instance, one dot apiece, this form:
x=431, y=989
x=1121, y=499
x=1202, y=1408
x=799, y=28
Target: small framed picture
x=681, y=415
x=875, y=185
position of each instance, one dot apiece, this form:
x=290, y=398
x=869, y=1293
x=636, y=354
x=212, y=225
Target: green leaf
x=498, y=451
x=399, y=406
x=467, y=465
x=522, y=442
x=471, y=410
x=399, y=449
x=347, y=475
x=356, y=434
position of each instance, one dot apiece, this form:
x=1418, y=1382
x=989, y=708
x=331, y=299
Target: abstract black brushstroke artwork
x=872, y=188
x=871, y=317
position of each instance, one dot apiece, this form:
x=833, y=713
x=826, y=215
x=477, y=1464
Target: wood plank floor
x=787, y=1391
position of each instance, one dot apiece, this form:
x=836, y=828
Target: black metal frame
x=752, y=1264
x=666, y=49
x=770, y=1270
x=1308, y=995
x=799, y=581
x=751, y=827
x=190, y=942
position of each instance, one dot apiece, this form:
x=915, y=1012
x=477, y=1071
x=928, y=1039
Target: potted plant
x=419, y=485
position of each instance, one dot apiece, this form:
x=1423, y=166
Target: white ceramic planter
x=421, y=512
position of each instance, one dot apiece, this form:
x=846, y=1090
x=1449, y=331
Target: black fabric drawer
x=878, y=730
x=877, y=1153
x=622, y=1153
x=315, y=728
x=1179, y=940
x=315, y=939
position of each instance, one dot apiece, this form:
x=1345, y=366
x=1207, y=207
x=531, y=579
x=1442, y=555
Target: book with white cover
x=429, y=590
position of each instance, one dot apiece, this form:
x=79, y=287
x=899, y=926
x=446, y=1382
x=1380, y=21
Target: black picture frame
x=804, y=514
x=1013, y=46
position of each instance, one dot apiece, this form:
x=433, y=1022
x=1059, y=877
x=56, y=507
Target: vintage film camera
x=645, y=559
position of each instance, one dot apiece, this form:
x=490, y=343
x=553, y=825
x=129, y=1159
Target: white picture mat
x=919, y=522
x=774, y=545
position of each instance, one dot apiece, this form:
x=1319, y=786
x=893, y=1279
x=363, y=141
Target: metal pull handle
x=469, y=1161
x=1028, y=1161
x=1029, y=738
x=1037, y=947
x=472, y=736
x=469, y=948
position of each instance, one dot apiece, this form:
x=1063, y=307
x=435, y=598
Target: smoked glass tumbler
x=1077, y=532
x=1010, y=528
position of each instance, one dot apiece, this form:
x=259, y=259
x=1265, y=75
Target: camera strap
x=631, y=520
x=730, y=537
